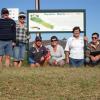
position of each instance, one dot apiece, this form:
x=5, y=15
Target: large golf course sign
x=55, y=20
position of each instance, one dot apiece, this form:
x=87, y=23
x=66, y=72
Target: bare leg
x=7, y=61
x=61, y=63
x=37, y=65
x=32, y=65
x=1, y=61
x=20, y=64
x=16, y=63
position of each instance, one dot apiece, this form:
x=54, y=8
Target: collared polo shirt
x=75, y=46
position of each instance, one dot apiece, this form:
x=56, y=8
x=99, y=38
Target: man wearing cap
x=37, y=53
x=57, y=55
x=22, y=38
x=7, y=36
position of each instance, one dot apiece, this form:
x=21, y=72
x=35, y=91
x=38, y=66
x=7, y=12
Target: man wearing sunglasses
x=7, y=36
x=93, y=50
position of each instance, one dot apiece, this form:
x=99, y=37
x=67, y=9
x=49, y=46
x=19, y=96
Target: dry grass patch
x=50, y=83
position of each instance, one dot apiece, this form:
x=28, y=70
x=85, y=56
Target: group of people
x=52, y=54
x=75, y=53
x=14, y=37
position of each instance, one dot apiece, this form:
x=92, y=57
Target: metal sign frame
x=58, y=11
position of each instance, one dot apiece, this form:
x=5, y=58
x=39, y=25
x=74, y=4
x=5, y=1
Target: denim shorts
x=19, y=52
x=5, y=48
x=76, y=62
x=31, y=61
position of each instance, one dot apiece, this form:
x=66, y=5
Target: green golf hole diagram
x=42, y=22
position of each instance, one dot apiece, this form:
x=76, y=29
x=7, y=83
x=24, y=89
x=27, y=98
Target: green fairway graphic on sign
x=40, y=21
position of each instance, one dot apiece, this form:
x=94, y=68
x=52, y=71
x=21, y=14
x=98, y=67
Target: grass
x=50, y=83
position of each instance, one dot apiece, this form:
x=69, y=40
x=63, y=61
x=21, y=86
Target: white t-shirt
x=76, y=47
x=59, y=54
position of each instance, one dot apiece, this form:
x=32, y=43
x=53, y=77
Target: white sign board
x=13, y=13
x=55, y=21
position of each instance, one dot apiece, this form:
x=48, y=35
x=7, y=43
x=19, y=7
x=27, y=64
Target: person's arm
x=62, y=54
x=31, y=54
x=67, y=49
x=88, y=53
x=14, y=32
x=88, y=50
x=88, y=56
x=44, y=53
x=97, y=57
x=47, y=56
x=28, y=34
x=86, y=39
x=67, y=57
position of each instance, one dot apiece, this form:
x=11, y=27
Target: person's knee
x=87, y=60
x=32, y=65
x=50, y=62
x=31, y=60
x=61, y=63
x=7, y=57
x=37, y=65
x=94, y=62
x=1, y=57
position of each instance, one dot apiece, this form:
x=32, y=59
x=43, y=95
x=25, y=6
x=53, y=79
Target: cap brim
x=22, y=15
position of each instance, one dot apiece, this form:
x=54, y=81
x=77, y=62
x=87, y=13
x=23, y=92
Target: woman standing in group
x=75, y=49
x=22, y=38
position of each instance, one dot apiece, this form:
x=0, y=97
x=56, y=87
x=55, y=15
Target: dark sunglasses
x=94, y=37
x=21, y=17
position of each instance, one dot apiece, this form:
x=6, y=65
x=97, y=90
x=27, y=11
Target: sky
x=92, y=12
